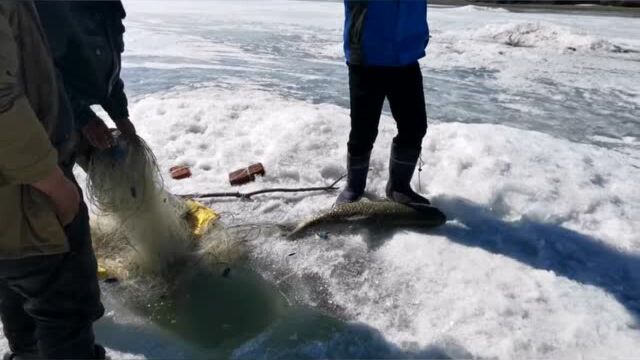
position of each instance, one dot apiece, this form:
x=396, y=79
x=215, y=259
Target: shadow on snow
x=543, y=246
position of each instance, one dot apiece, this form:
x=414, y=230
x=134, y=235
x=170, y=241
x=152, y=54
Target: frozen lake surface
x=533, y=151
x=567, y=75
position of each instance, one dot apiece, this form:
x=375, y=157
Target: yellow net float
x=199, y=218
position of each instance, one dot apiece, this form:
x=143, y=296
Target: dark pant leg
x=65, y=313
x=19, y=328
x=406, y=99
x=367, y=93
x=61, y=294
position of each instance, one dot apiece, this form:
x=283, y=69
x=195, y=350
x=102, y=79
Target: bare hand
x=98, y=134
x=126, y=128
x=63, y=194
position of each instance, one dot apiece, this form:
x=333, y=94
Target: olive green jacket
x=29, y=116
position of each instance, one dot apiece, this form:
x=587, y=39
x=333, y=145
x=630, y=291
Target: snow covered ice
x=533, y=151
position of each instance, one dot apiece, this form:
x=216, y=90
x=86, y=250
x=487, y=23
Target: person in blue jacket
x=383, y=41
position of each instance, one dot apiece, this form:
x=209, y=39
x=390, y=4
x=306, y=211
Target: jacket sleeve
x=82, y=112
x=116, y=105
x=26, y=153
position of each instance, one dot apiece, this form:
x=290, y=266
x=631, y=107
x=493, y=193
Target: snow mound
x=545, y=35
x=474, y=8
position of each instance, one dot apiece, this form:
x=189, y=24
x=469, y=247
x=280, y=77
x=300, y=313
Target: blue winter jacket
x=385, y=32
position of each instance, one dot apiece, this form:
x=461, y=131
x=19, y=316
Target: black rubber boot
x=357, y=169
x=402, y=164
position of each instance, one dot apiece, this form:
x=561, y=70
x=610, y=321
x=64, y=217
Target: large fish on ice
x=382, y=213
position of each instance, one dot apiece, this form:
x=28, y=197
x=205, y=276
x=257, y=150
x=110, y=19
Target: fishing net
x=143, y=229
x=124, y=184
x=164, y=266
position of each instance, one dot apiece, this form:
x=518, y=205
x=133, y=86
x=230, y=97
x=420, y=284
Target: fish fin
x=295, y=233
x=286, y=228
x=436, y=215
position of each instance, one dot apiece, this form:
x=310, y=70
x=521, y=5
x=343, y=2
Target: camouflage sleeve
x=26, y=153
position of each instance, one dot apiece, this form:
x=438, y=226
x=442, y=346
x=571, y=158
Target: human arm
x=27, y=156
